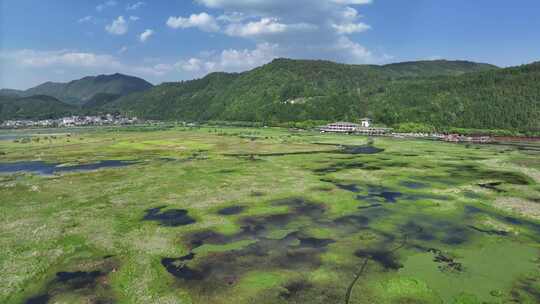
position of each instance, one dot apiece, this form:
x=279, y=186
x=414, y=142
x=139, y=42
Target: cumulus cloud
x=62, y=58
x=232, y=60
x=202, y=21
x=119, y=26
x=266, y=26
x=320, y=30
x=352, y=2
x=134, y=18
x=232, y=17
x=191, y=65
x=349, y=28
x=144, y=36
x=134, y=6
x=263, y=26
x=106, y=5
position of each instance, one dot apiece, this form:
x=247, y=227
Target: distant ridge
x=78, y=92
x=11, y=93
x=33, y=107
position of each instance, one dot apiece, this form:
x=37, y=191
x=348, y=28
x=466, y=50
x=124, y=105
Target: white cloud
x=105, y=5
x=157, y=70
x=266, y=26
x=239, y=60
x=62, y=58
x=232, y=17
x=352, y=2
x=134, y=6
x=350, y=14
x=202, y=21
x=354, y=50
x=191, y=65
x=266, y=5
x=86, y=19
x=230, y=60
x=134, y=18
x=349, y=28
x=320, y=30
x=263, y=26
x=144, y=36
x=119, y=26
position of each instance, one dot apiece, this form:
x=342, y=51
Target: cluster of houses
x=71, y=121
x=365, y=128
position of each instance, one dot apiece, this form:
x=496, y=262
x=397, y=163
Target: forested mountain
x=283, y=90
x=80, y=91
x=499, y=99
x=439, y=93
x=436, y=68
x=33, y=107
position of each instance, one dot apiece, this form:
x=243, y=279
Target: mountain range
x=440, y=93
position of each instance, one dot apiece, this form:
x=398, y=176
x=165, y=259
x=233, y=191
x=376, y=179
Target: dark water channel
x=43, y=168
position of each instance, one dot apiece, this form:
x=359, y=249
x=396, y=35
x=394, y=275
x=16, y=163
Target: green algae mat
x=230, y=215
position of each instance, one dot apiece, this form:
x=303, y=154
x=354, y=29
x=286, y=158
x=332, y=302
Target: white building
x=366, y=122
x=365, y=128
x=341, y=127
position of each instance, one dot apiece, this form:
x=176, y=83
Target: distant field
x=232, y=215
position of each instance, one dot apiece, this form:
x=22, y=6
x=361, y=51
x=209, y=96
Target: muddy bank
x=88, y=286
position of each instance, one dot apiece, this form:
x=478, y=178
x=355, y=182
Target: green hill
x=289, y=90
x=199, y=99
x=33, y=107
x=80, y=91
x=497, y=99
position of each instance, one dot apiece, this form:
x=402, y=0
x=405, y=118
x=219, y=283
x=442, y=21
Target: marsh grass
x=310, y=217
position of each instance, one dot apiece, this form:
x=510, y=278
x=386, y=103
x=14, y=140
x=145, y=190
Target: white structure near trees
x=364, y=128
x=365, y=122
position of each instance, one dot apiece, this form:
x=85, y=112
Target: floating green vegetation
x=265, y=216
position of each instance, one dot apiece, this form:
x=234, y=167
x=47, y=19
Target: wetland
x=233, y=215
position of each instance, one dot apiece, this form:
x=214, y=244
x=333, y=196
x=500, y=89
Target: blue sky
x=172, y=40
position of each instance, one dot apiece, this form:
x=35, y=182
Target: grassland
x=225, y=215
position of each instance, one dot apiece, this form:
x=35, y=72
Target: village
x=71, y=121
